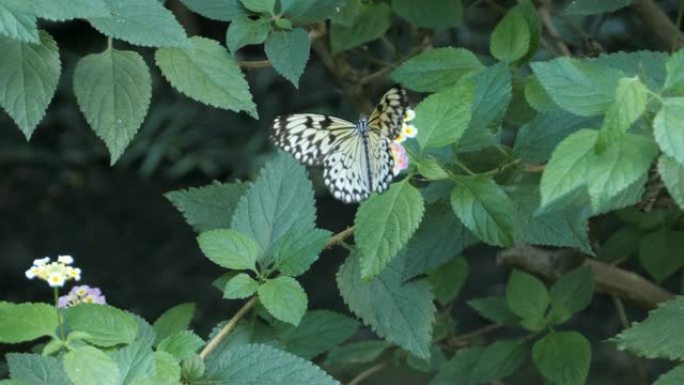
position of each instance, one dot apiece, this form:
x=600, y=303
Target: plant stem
x=367, y=373
x=227, y=328
x=55, y=290
x=339, y=237
x=464, y=167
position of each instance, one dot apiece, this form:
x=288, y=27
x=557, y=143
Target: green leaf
x=371, y=23
x=620, y=244
x=208, y=207
x=113, y=91
x=667, y=128
x=240, y=286
x=399, y=312
x=193, y=368
x=511, y=38
x=444, y=116
x=537, y=97
x=310, y=11
x=288, y=52
x=181, y=344
x=174, y=320
x=284, y=298
x=280, y=200
x=168, y=371
x=141, y=22
x=348, y=12
x=499, y=360
x=29, y=74
x=26, y=321
x=536, y=139
x=432, y=170
x=266, y=365
x=433, y=14
x=18, y=22
x=318, y=332
x=660, y=253
x=494, y=309
x=134, y=361
x=61, y=10
x=649, y=66
x=224, y=10
x=297, y=250
x=631, y=97
x=571, y=293
x=658, y=336
x=526, y=296
x=447, y=280
x=674, y=80
x=582, y=87
x=87, y=365
x=590, y=7
x=484, y=208
x=204, y=71
x=229, y=248
x=458, y=369
x=436, y=69
x=106, y=326
x=244, y=31
x=357, y=352
x=260, y=6
x=673, y=377
x=384, y=224
x=563, y=357
x=672, y=174
x=36, y=370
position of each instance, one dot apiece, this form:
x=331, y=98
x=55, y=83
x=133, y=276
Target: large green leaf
x=444, y=116
x=284, y=298
x=106, y=326
x=34, y=369
x=494, y=309
x=447, y=280
x=288, y=52
x=631, y=97
x=87, y=365
x=280, y=200
x=205, y=72
x=113, y=90
x=309, y=11
x=434, y=14
x=571, y=293
x=436, y=69
x=660, y=253
x=672, y=174
x=297, y=250
x=229, y=248
x=224, y=10
x=208, y=207
x=260, y=6
x=673, y=377
x=667, y=128
x=370, y=24
x=484, y=208
x=240, y=286
x=384, y=224
x=648, y=66
x=511, y=38
x=674, y=80
x=245, y=31
x=357, y=352
x=18, y=21
x=526, y=296
x=568, y=167
x=60, y=10
x=399, y=312
x=181, y=344
x=28, y=78
x=174, y=320
x=563, y=357
x=26, y=321
x=134, y=361
x=319, y=331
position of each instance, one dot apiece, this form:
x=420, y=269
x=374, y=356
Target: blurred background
x=59, y=195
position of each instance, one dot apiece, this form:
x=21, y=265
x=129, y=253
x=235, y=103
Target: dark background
x=58, y=194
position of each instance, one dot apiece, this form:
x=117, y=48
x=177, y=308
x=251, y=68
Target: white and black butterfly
x=356, y=158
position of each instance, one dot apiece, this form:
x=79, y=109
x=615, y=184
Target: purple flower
x=81, y=294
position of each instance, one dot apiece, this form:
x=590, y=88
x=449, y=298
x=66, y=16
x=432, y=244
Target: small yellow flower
x=409, y=131
x=56, y=279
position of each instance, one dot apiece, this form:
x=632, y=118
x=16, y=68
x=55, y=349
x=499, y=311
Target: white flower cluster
x=54, y=273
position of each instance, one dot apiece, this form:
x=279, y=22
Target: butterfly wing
x=310, y=137
x=388, y=117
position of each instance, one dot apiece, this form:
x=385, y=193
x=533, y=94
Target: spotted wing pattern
x=388, y=116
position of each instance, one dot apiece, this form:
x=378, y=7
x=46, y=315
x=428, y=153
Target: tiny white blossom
x=65, y=259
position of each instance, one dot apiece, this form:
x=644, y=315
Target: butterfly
x=356, y=158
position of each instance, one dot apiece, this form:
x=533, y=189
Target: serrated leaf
x=457, y=370
x=526, y=295
x=181, y=344
x=620, y=244
x=34, y=369
x=582, y=87
x=370, y=24
x=484, y=208
x=649, y=66
x=672, y=174
x=432, y=170
x=208, y=207
x=309, y=11
x=244, y=31
x=240, y=286
x=674, y=80
x=436, y=69
x=631, y=97
x=141, y=22
x=174, y=320
x=443, y=117
x=511, y=38
x=229, y=248
x=288, y=52
x=297, y=250
x=399, y=312
x=348, y=12
x=447, y=280
x=26, y=321
x=563, y=357
x=146, y=333
x=87, y=365
x=498, y=360
x=667, y=128
x=384, y=224
x=224, y=10
x=113, y=91
x=284, y=298
x=318, y=332
x=494, y=309
x=260, y=6
x=280, y=200
x=252, y=364
x=18, y=21
x=134, y=361
x=571, y=293
x=357, y=352
x=434, y=14
x=590, y=7
x=60, y=10
x=673, y=377
x=167, y=371
x=660, y=253
x=537, y=97
x=29, y=74
x=204, y=71
x=106, y=326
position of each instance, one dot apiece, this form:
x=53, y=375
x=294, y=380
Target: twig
x=339, y=237
x=463, y=339
x=658, y=21
x=545, y=14
x=227, y=328
x=254, y=64
x=367, y=373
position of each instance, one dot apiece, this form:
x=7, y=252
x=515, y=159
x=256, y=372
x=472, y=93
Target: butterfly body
x=356, y=158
